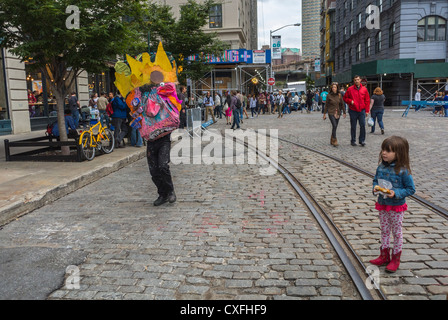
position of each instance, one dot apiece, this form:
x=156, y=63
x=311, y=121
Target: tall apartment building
x=234, y=21
x=310, y=29
x=407, y=51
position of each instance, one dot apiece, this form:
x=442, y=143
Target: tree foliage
x=184, y=37
x=36, y=30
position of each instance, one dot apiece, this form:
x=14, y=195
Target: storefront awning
x=431, y=70
x=344, y=77
x=384, y=66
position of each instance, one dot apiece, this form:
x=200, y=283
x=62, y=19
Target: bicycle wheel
x=108, y=141
x=87, y=150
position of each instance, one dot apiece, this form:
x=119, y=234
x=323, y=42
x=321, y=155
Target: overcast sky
x=274, y=14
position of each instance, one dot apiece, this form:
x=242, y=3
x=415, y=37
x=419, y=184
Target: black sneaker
x=160, y=200
x=363, y=143
x=171, y=197
x=354, y=144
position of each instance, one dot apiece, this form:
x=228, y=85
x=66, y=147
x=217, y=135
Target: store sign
x=276, y=47
x=237, y=57
x=259, y=56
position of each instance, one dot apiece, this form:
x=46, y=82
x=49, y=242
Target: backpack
x=238, y=103
x=49, y=131
x=109, y=109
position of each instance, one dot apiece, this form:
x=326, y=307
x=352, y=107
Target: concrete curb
x=28, y=204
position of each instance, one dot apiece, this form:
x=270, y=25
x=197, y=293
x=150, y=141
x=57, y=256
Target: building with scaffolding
x=244, y=70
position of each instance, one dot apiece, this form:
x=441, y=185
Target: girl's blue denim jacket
x=403, y=184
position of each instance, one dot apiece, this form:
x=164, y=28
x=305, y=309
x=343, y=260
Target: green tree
x=43, y=32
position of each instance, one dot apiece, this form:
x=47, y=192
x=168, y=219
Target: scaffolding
x=228, y=78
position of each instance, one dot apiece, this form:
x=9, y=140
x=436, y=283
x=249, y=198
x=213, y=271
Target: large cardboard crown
x=145, y=72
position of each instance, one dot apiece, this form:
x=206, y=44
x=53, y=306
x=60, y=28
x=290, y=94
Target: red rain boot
x=384, y=258
x=395, y=263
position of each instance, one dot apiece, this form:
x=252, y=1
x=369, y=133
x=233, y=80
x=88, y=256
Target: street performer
x=358, y=100
x=150, y=91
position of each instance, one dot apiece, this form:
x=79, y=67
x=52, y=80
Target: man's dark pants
x=356, y=117
x=158, y=156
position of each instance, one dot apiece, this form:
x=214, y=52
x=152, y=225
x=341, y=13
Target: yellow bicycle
x=97, y=138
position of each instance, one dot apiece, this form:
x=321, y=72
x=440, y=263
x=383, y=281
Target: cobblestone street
x=233, y=233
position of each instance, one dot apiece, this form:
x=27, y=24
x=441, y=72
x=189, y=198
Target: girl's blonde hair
x=400, y=146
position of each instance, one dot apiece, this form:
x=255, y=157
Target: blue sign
x=237, y=56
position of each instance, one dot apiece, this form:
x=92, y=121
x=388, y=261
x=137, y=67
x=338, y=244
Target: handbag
x=226, y=106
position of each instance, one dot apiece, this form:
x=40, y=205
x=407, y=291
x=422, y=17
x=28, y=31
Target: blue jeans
x=75, y=115
x=377, y=114
x=446, y=110
x=236, y=118
x=356, y=117
x=136, y=138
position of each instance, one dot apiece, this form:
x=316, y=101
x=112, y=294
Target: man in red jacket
x=358, y=100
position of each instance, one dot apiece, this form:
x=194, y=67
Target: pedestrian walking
x=377, y=109
x=102, y=106
x=235, y=105
x=209, y=105
x=228, y=109
x=334, y=106
x=218, y=106
x=323, y=96
x=280, y=102
x=309, y=101
x=358, y=100
x=393, y=175
x=119, y=118
x=74, y=106
x=253, y=105
x=245, y=104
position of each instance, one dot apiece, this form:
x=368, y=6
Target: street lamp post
x=270, y=39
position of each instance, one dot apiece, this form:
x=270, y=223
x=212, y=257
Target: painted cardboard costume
x=150, y=91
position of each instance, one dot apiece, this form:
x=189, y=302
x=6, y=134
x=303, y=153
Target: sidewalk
x=26, y=186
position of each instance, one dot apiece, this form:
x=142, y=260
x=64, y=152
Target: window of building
x=345, y=33
x=431, y=28
x=378, y=42
x=351, y=27
x=4, y=114
x=359, y=21
x=358, y=52
x=391, y=35
x=380, y=5
x=344, y=58
x=215, y=19
x=350, y=54
x=352, y=4
x=367, y=53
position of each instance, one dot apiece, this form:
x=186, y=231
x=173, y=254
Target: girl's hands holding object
x=388, y=192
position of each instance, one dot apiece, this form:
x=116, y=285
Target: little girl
x=393, y=168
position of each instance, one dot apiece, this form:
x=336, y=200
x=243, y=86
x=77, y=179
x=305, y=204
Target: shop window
x=41, y=100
